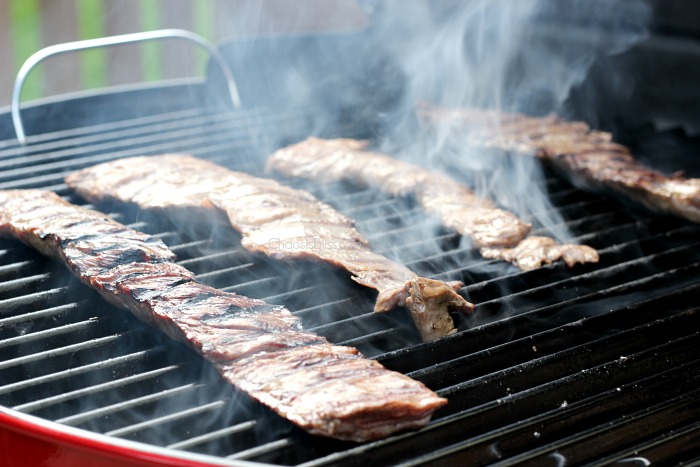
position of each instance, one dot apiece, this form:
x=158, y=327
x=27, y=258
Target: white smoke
x=511, y=56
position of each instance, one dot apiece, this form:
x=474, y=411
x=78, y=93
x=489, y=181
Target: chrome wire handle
x=58, y=49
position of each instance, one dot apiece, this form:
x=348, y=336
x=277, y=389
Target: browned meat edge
x=586, y=155
x=261, y=349
x=276, y=220
x=497, y=233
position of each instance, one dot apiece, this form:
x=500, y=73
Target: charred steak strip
x=585, y=155
x=261, y=349
x=276, y=220
x=494, y=231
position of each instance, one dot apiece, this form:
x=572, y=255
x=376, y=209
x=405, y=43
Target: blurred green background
x=30, y=25
x=27, y=26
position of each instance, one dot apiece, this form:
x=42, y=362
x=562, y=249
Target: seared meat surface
x=534, y=251
x=272, y=219
x=586, y=155
x=457, y=207
x=261, y=349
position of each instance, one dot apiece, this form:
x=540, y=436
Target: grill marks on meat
x=261, y=349
x=494, y=231
x=88, y=242
x=311, y=383
x=583, y=154
x=348, y=159
x=533, y=251
x=275, y=220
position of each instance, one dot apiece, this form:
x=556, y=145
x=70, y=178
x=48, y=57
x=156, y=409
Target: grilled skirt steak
x=588, y=157
x=494, y=231
x=261, y=349
x=276, y=220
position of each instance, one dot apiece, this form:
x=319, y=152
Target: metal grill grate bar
x=663, y=448
x=22, y=282
x=553, y=424
x=263, y=449
x=57, y=150
x=199, y=140
x=30, y=298
x=43, y=155
x=506, y=332
x=213, y=435
x=83, y=417
x=538, y=338
x=59, y=351
x=34, y=315
x=561, y=401
x=57, y=136
x=590, y=444
x=53, y=332
x=132, y=357
x=66, y=396
x=154, y=422
x=531, y=376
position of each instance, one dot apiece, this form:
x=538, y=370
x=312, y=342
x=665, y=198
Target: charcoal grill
x=596, y=364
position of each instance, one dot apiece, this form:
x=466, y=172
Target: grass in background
x=151, y=52
x=90, y=26
x=26, y=38
x=204, y=26
x=25, y=21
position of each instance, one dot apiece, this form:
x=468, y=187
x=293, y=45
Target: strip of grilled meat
x=586, y=155
x=326, y=389
x=276, y=220
x=494, y=231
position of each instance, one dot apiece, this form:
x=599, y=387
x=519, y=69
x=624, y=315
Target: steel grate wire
x=546, y=366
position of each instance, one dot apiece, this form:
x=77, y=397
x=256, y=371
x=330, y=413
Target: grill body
x=593, y=364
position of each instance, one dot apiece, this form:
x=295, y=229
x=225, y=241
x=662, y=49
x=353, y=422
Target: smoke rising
x=510, y=56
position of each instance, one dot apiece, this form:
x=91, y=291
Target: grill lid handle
x=58, y=49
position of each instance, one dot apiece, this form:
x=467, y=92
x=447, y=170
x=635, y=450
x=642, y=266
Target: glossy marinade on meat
x=276, y=220
x=261, y=349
